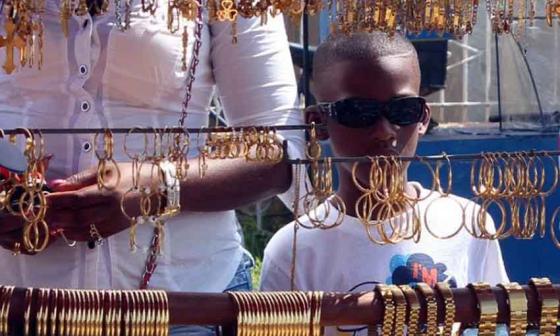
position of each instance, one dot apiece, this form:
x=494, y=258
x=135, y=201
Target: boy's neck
x=350, y=194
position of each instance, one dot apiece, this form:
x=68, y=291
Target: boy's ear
x=426, y=121
x=314, y=114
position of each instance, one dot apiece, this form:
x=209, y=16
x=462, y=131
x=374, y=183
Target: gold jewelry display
x=400, y=310
x=386, y=294
x=27, y=311
x=450, y=309
x=487, y=307
x=458, y=18
x=6, y=297
x=517, y=303
x=105, y=160
x=431, y=308
x=549, y=304
x=413, y=303
x=444, y=195
x=322, y=195
x=278, y=313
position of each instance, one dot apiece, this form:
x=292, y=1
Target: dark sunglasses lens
x=356, y=113
x=406, y=111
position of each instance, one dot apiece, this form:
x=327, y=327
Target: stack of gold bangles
x=88, y=312
x=278, y=313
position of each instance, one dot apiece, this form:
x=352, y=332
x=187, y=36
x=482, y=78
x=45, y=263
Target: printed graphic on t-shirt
x=404, y=270
x=418, y=267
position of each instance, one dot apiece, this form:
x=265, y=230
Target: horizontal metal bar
x=152, y=129
x=451, y=157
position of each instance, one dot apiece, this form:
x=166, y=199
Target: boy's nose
x=384, y=131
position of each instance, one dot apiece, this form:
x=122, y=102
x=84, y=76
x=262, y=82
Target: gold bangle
x=414, y=309
x=386, y=295
x=487, y=307
x=450, y=309
x=133, y=319
x=78, y=328
x=159, y=313
x=517, y=304
x=39, y=313
x=240, y=313
x=3, y=319
x=431, y=308
x=5, y=304
x=42, y=314
x=54, y=313
x=97, y=312
x=6, y=309
x=548, y=302
x=27, y=312
x=165, y=327
x=62, y=314
x=117, y=318
x=147, y=299
x=400, y=310
x=317, y=302
x=140, y=316
x=87, y=319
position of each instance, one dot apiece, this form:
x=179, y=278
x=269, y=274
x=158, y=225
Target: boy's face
x=381, y=80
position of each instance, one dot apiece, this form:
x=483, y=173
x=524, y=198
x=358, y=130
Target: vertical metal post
x=498, y=78
x=306, y=58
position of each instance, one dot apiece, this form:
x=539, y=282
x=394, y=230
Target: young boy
x=368, y=72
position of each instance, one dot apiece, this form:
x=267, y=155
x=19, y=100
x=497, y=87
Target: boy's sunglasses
x=363, y=113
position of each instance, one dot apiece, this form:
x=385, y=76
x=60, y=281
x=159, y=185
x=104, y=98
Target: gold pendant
x=227, y=12
x=11, y=41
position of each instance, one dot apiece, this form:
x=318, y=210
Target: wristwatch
x=548, y=302
x=487, y=307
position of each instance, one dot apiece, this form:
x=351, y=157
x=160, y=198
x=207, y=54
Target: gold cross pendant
x=11, y=41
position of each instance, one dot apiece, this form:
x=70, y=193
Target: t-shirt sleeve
x=256, y=82
x=273, y=277
x=494, y=270
x=488, y=259
x=276, y=268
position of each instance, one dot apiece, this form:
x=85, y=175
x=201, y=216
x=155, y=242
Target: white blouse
x=102, y=77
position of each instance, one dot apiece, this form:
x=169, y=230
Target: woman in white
x=102, y=77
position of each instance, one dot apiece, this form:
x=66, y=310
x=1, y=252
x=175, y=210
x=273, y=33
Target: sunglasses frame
x=364, y=113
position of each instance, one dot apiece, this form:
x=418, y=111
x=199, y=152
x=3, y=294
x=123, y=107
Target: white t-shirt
x=102, y=77
x=343, y=259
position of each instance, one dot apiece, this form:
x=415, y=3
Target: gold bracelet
x=78, y=313
x=431, y=308
x=548, y=302
x=165, y=326
x=317, y=306
x=517, y=304
x=27, y=311
x=54, y=313
x=39, y=313
x=3, y=318
x=97, y=313
x=117, y=313
x=389, y=311
x=450, y=309
x=149, y=311
x=88, y=307
x=63, y=313
x=158, y=313
x=400, y=310
x=7, y=292
x=487, y=307
x=141, y=304
x=42, y=315
x=414, y=309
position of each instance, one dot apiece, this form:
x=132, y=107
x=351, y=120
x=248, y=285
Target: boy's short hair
x=359, y=48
